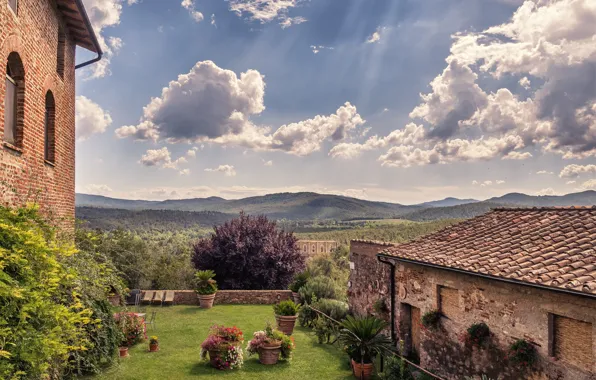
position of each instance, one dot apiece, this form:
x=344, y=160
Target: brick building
x=527, y=273
x=38, y=39
x=310, y=248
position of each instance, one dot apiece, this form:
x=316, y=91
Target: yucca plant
x=364, y=338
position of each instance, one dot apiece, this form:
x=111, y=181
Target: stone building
x=527, y=273
x=310, y=248
x=38, y=39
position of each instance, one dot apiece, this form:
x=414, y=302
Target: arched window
x=14, y=100
x=50, y=128
x=61, y=52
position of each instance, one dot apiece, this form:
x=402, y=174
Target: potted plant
x=132, y=330
x=299, y=281
x=270, y=345
x=431, y=319
x=363, y=340
x=153, y=344
x=286, y=313
x=223, y=347
x=206, y=288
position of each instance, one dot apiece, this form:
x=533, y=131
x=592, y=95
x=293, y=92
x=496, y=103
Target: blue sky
x=328, y=92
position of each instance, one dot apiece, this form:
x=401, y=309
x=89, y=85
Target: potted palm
x=299, y=281
x=153, y=344
x=270, y=345
x=364, y=340
x=206, y=288
x=286, y=313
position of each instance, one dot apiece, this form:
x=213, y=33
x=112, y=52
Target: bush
x=329, y=266
x=42, y=319
x=132, y=327
x=286, y=308
x=299, y=281
x=250, y=253
x=396, y=369
x=431, y=319
x=335, y=309
x=522, y=353
x=318, y=288
x=477, y=334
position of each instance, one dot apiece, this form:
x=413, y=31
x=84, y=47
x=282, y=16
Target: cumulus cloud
x=265, y=11
x=544, y=172
x=189, y=5
x=227, y=170
x=161, y=158
x=488, y=183
x=550, y=48
x=97, y=189
x=589, y=185
x=547, y=191
x=210, y=104
x=90, y=118
x=574, y=171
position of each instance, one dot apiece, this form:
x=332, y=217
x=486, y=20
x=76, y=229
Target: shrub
x=318, y=287
x=326, y=265
x=337, y=310
x=205, y=284
x=431, y=319
x=250, y=253
x=299, y=281
x=396, y=369
x=522, y=353
x=286, y=308
x=42, y=319
x=477, y=334
x=132, y=327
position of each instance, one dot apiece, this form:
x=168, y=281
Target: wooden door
x=415, y=326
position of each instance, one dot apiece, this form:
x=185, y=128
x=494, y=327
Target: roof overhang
x=78, y=24
x=487, y=276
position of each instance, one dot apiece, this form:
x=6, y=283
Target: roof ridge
x=544, y=208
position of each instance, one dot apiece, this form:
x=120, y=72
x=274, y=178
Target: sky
x=392, y=100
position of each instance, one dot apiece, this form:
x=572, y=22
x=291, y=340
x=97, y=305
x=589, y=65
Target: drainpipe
x=392, y=281
x=94, y=40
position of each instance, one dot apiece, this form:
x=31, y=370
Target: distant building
x=38, y=39
x=527, y=273
x=312, y=247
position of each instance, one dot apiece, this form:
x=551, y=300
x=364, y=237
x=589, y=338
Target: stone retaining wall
x=253, y=297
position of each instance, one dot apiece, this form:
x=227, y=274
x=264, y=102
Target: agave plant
x=364, y=338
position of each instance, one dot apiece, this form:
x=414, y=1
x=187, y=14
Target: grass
x=181, y=329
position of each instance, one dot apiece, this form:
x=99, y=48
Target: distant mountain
x=448, y=202
x=107, y=202
x=585, y=198
x=463, y=211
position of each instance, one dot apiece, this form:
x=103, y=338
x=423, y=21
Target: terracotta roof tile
x=554, y=246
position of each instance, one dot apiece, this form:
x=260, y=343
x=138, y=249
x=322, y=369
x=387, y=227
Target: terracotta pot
x=153, y=347
x=286, y=324
x=269, y=355
x=362, y=371
x=123, y=352
x=296, y=298
x=206, y=301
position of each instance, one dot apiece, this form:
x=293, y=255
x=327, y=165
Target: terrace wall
x=244, y=297
x=511, y=311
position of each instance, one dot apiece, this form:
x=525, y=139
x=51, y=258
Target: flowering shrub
x=132, y=327
x=476, y=335
x=225, y=341
x=271, y=337
x=522, y=353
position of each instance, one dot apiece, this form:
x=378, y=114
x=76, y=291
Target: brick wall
x=511, y=311
x=24, y=175
x=248, y=297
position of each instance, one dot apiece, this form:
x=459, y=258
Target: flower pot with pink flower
x=223, y=347
x=271, y=345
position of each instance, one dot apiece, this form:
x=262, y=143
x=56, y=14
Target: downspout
x=92, y=35
x=392, y=286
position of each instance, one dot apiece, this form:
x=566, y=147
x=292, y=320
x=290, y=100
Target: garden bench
x=158, y=299
x=148, y=296
x=169, y=299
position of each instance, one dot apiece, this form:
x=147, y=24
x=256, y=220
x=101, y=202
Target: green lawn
x=181, y=329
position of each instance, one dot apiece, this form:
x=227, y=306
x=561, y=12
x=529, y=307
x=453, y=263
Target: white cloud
x=97, y=189
x=487, y=183
x=316, y=49
x=213, y=20
x=499, y=182
x=574, y=171
x=268, y=163
x=517, y=156
x=377, y=35
x=161, y=158
x=184, y=172
x=192, y=153
x=210, y=104
x=570, y=182
x=544, y=172
x=265, y=11
x=90, y=118
x=525, y=83
x=589, y=185
x=227, y=170
x=547, y=191
x=189, y=5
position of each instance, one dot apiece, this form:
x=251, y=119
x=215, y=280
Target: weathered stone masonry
x=242, y=297
x=511, y=311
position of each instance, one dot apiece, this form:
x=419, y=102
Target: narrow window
x=304, y=248
x=10, y=108
x=50, y=128
x=571, y=341
x=449, y=302
x=322, y=249
x=13, y=5
x=61, y=52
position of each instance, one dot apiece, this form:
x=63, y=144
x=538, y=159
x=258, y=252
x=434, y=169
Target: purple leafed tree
x=249, y=252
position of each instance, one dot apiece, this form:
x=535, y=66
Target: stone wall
x=31, y=35
x=511, y=311
x=251, y=297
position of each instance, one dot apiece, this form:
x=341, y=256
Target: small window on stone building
x=571, y=341
x=322, y=249
x=448, y=302
x=14, y=97
x=314, y=249
x=61, y=52
x=50, y=128
x=13, y=5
